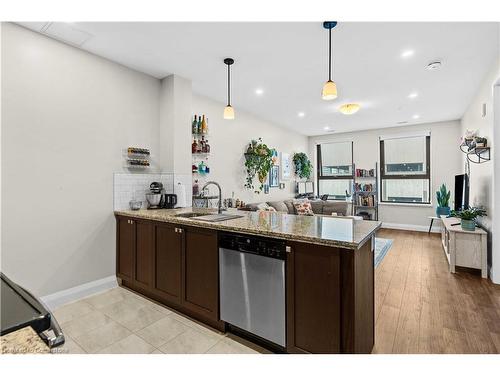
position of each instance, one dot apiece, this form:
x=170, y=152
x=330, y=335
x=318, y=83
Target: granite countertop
x=23, y=341
x=335, y=231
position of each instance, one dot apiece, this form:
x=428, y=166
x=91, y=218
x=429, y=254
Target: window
x=334, y=169
x=405, y=169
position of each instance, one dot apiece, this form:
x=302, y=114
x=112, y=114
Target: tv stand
x=464, y=248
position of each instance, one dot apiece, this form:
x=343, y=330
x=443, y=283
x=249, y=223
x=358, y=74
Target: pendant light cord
x=330, y=54
x=228, y=85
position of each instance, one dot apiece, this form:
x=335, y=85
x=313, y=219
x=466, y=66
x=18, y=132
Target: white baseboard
x=418, y=228
x=78, y=292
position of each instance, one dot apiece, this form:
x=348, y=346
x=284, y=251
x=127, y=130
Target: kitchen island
x=329, y=271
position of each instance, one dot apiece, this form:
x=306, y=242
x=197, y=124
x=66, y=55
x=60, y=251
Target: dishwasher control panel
x=253, y=244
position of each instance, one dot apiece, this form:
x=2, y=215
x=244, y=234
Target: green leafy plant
x=469, y=214
x=303, y=166
x=443, y=196
x=258, y=162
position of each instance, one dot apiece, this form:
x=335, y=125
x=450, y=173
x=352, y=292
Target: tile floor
x=121, y=322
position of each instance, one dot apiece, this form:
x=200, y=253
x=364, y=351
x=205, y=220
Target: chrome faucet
x=220, y=193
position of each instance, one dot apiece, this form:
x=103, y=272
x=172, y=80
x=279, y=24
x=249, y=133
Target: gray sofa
x=319, y=207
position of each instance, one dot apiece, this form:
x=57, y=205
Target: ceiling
x=288, y=61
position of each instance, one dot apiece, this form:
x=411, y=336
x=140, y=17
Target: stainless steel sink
x=190, y=215
x=208, y=217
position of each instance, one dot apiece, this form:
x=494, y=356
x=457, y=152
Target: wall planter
x=303, y=166
x=258, y=162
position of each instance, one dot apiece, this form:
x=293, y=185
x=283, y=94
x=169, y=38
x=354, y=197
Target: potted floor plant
x=468, y=217
x=443, y=200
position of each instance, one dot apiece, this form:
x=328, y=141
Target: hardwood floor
x=422, y=308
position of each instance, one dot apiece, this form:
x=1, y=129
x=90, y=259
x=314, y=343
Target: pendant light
x=228, y=110
x=330, y=88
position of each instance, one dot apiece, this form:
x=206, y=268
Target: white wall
x=66, y=116
x=228, y=141
x=446, y=162
x=482, y=176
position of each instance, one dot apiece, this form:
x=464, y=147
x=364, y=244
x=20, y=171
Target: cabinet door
x=144, y=253
x=167, y=273
x=313, y=299
x=125, y=246
x=201, y=273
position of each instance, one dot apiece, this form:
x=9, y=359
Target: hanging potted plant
x=443, y=200
x=303, y=166
x=468, y=217
x=258, y=162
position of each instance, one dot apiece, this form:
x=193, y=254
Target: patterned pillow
x=303, y=208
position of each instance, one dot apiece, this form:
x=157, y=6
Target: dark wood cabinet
x=168, y=262
x=134, y=256
x=330, y=299
x=313, y=299
x=144, y=253
x=125, y=246
x=200, y=281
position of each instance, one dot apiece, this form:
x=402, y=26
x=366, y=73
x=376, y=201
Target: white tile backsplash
x=128, y=186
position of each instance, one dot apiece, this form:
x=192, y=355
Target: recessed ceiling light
x=301, y=114
x=259, y=91
x=326, y=128
x=413, y=95
x=434, y=65
x=349, y=109
x=407, y=53
x=416, y=117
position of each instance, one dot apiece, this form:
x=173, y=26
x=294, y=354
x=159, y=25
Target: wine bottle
x=199, y=125
x=194, y=146
x=203, y=144
x=194, y=125
x=204, y=127
x=207, y=147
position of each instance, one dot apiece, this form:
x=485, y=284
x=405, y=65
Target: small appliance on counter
x=169, y=200
x=154, y=197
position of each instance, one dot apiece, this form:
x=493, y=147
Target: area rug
x=382, y=246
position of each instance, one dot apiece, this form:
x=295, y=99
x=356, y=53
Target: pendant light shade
x=228, y=110
x=228, y=113
x=329, y=91
x=349, y=109
x=330, y=88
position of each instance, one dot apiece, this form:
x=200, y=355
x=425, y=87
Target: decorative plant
x=443, y=196
x=469, y=214
x=259, y=160
x=303, y=166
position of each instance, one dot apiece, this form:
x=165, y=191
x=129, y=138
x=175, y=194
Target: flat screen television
x=461, y=192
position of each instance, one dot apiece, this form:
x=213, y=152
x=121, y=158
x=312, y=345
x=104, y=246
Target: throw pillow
x=265, y=207
x=279, y=206
x=303, y=208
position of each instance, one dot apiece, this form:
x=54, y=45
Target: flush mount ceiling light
x=301, y=114
x=329, y=88
x=413, y=95
x=349, y=109
x=415, y=117
x=259, y=92
x=228, y=110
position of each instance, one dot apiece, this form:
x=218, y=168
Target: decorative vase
x=443, y=211
x=468, y=224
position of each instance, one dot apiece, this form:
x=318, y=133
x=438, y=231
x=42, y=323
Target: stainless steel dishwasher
x=252, y=285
